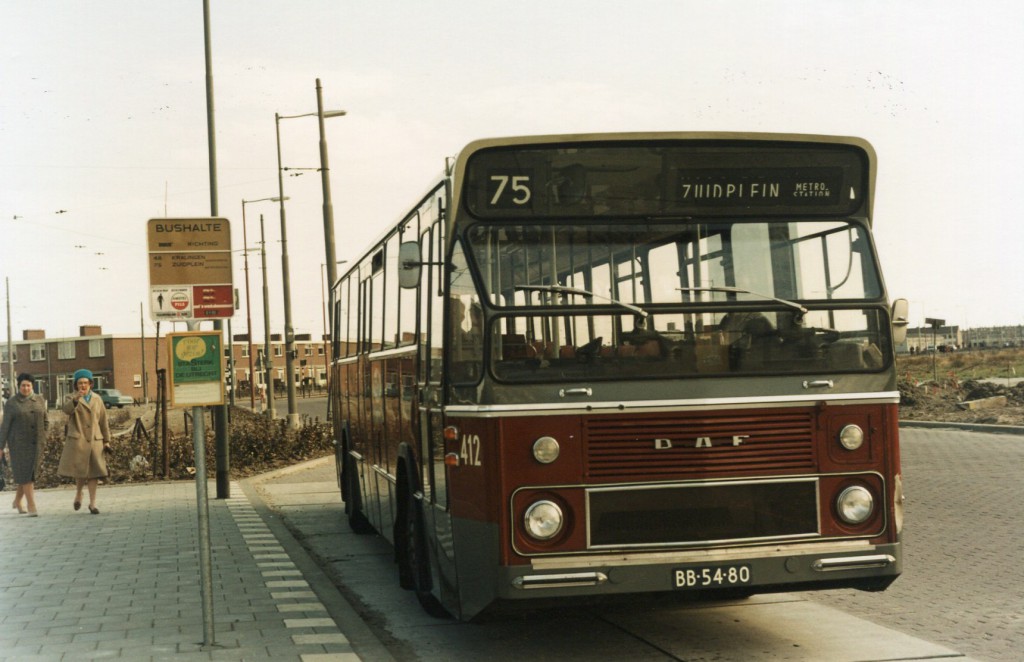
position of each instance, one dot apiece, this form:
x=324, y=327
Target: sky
x=103, y=126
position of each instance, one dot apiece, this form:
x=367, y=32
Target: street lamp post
x=289, y=331
x=323, y=306
x=248, y=301
x=323, y=338
x=325, y=182
x=268, y=363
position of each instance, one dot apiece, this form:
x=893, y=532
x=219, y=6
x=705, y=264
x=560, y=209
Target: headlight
x=855, y=505
x=851, y=437
x=543, y=520
x=545, y=450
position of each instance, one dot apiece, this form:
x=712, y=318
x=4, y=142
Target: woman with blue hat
x=88, y=436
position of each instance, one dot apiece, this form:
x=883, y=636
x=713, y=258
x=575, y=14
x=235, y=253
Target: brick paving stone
x=963, y=579
x=125, y=584
x=301, y=607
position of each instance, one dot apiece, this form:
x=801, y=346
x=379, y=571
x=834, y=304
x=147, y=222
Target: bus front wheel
x=417, y=564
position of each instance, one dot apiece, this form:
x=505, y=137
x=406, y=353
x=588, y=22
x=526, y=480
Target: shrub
x=118, y=417
x=256, y=445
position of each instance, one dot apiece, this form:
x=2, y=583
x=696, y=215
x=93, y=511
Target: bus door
x=430, y=414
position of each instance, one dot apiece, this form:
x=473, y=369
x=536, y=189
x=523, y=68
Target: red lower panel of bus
x=632, y=481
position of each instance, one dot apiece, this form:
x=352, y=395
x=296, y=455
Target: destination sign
x=760, y=187
x=670, y=178
x=205, y=267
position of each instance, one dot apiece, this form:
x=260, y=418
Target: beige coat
x=87, y=431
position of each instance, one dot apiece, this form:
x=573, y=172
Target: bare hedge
x=256, y=445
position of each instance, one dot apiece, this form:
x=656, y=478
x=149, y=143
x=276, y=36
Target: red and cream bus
x=604, y=364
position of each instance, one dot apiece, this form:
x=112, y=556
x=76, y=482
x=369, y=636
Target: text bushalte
x=189, y=227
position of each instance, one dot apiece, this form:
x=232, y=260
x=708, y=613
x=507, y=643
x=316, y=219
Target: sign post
x=190, y=280
x=935, y=323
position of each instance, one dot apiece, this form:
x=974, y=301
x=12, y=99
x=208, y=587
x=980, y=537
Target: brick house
x=116, y=361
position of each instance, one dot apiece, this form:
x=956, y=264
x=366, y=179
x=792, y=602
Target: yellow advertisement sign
x=196, y=371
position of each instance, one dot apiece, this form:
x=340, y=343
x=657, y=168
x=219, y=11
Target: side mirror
x=900, y=311
x=409, y=263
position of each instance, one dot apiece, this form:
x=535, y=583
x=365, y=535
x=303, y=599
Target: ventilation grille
x=674, y=446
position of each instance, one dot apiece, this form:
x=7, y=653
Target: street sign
x=196, y=372
x=934, y=323
x=190, y=275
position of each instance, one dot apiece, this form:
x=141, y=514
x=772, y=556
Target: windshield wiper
x=562, y=289
x=737, y=290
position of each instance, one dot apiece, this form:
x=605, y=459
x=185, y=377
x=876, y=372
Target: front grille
x=702, y=513
x=626, y=448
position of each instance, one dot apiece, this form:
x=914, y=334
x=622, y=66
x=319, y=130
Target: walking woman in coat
x=88, y=436
x=23, y=433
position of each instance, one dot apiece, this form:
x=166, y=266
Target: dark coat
x=24, y=432
x=87, y=431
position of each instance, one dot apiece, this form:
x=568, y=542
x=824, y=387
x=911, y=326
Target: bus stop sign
x=190, y=275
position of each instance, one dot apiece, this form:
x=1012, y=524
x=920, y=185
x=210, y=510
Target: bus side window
x=514, y=346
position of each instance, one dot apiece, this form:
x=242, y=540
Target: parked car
x=113, y=398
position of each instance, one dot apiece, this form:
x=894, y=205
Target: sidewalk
x=125, y=584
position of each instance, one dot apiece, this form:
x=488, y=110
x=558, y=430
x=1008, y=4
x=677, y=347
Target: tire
x=416, y=561
x=357, y=520
x=106, y=405
x=406, y=577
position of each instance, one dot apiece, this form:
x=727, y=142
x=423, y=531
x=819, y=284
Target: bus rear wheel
x=357, y=520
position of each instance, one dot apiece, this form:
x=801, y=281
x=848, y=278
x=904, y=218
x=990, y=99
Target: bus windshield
x=653, y=299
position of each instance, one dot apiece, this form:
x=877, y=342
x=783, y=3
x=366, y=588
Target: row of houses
x=995, y=336
x=130, y=363
x=925, y=338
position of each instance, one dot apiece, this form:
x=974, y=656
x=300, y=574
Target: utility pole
x=268, y=362
x=10, y=343
x=248, y=313
x=289, y=330
x=325, y=184
x=220, y=412
x=199, y=434
x=142, y=326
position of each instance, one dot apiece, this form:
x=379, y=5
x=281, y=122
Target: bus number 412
x=470, y=453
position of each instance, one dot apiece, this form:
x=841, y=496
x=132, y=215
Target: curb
x=292, y=468
x=365, y=642
x=969, y=427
